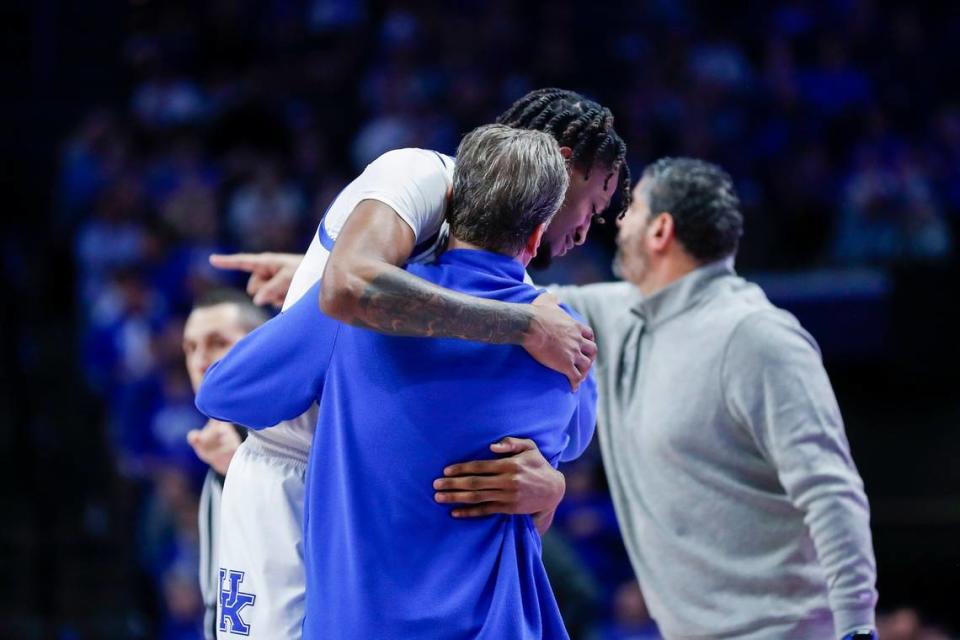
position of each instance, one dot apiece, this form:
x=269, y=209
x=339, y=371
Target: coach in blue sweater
x=383, y=559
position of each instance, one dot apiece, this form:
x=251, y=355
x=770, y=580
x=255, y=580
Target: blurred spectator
x=168, y=549
x=833, y=85
x=183, y=605
x=589, y=523
x=179, y=164
x=122, y=319
x=328, y=15
x=90, y=160
x=905, y=624
x=890, y=214
x=947, y=155
x=631, y=620
x=166, y=100
x=577, y=593
x=114, y=237
x=265, y=213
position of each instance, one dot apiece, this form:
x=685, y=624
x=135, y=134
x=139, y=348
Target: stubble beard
x=632, y=271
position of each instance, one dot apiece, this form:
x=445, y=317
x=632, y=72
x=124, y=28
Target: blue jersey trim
x=324, y=237
x=327, y=241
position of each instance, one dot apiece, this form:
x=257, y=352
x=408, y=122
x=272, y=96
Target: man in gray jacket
x=740, y=505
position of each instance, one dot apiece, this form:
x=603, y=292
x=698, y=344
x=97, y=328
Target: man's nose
x=203, y=361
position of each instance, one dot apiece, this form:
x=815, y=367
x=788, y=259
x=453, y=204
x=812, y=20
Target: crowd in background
x=243, y=120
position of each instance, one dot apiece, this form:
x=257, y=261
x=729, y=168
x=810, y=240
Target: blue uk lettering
x=232, y=602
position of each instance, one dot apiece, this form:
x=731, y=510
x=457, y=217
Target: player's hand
x=522, y=482
x=559, y=342
x=270, y=273
x=215, y=444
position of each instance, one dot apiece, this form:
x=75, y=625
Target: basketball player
x=382, y=560
x=391, y=215
x=217, y=321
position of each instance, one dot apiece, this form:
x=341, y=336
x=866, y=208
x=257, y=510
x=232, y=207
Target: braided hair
x=576, y=122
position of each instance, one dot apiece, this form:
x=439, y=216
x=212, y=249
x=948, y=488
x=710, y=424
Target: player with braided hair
x=576, y=122
x=596, y=153
x=393, y=214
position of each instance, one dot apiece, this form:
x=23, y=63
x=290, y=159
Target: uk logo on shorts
x=232, y=602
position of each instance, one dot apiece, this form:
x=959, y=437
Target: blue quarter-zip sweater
x=383, y=559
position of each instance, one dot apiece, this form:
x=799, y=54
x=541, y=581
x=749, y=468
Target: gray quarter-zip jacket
x=739, y=502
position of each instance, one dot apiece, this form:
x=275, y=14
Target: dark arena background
x=139, y=137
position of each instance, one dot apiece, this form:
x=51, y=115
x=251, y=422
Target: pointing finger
x=240, y=261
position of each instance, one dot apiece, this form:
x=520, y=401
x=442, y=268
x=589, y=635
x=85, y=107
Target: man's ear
x=566, y=152
x=533, y=242
x=661, y=231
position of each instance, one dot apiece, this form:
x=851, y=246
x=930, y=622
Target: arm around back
x=374, y=240
x=364, y=286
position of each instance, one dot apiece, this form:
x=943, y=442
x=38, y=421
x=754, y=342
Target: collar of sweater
x=682, y=294
x=485, y=261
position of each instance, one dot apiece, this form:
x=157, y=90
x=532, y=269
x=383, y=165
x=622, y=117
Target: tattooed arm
x=364, y=285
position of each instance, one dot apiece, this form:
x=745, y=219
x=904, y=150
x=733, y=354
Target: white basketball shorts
x=262, y=582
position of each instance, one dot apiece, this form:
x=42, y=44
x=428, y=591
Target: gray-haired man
x=382, y=560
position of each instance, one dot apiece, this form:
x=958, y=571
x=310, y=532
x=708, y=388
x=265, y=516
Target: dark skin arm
x=363, y=285
x=523, y=482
